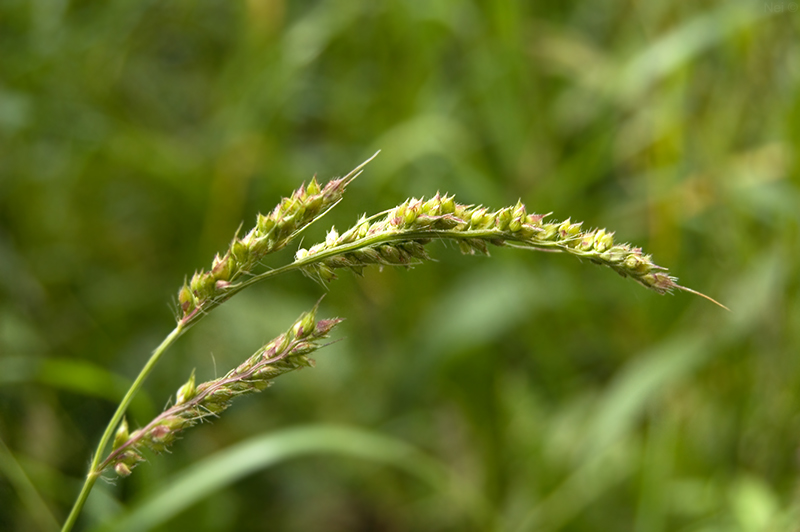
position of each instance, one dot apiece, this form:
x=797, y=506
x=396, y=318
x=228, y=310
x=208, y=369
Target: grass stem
x=94, y=471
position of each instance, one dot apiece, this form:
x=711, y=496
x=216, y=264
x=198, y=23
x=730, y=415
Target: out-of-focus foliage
x=545, y=394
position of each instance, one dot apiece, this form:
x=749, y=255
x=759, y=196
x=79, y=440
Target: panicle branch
x=193, y=403
x=271, y=233
x=399, y=237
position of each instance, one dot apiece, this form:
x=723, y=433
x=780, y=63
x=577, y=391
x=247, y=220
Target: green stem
x=374, y=240
x=94, y=471
x=489, y=235
x=386, y=238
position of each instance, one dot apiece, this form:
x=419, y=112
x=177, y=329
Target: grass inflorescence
x=397, y=237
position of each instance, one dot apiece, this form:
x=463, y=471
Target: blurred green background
x=521, y=392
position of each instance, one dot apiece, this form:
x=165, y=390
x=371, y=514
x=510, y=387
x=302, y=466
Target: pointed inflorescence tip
x=695, y=292
x=357, y=170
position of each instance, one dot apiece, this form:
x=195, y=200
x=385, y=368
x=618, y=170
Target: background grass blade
x=72, y=375
x=227, y=466
x=26, y=491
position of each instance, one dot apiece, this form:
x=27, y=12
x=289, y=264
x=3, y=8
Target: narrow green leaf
x=72, y=375
x=265, y=450
x=27, y=492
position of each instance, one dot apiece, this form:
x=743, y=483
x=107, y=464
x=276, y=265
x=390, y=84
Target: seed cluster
x=193, y=403
x=400, y=236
